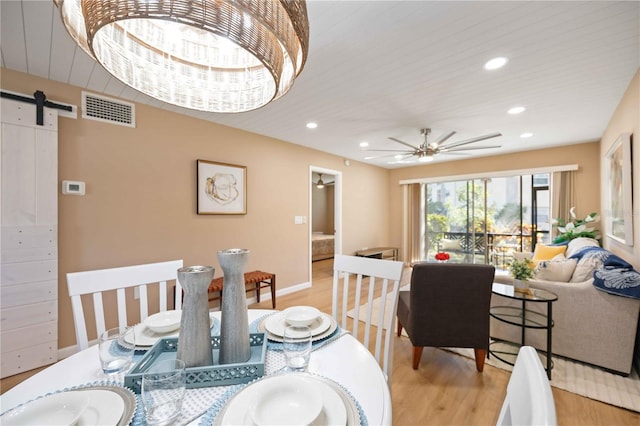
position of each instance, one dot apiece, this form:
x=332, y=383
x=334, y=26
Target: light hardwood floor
x=446, y=389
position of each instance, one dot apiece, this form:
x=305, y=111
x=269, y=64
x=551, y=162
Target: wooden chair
x=384, y=278
x=529, y=400
x=103, y=280
x=447, y=307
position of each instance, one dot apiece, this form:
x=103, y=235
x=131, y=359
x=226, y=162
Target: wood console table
x=387, y=253
x=255, y=280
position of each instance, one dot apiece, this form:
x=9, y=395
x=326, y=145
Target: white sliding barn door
x=29, y=235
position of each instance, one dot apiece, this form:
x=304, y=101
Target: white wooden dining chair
x=98, y=281
x=529, y=399
x=374, y=301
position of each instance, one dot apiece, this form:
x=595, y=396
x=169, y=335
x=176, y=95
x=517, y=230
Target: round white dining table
x=344, y=360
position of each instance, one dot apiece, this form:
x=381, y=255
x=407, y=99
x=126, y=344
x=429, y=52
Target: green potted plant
x=521, y=270
x=575, y=228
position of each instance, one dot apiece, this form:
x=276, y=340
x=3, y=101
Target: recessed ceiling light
x=516, y=110
x=526, y=135
x=369, y=158
x=495, y=63
x=312, y=125
x=364, y=144
x=398, y=156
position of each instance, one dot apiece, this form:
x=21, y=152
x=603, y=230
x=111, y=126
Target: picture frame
x=619, y=217
x=221, y=188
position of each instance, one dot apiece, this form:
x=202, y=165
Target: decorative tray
x=211, y=375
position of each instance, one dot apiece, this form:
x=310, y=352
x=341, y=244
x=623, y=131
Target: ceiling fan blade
x=387, y=155
x=442, y=139
x=404, y=143
x=387, y=150
x=472, y=140
x=471, y=148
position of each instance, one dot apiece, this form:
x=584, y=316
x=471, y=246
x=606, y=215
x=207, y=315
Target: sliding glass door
x=486, y=220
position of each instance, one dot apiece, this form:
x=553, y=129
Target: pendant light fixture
x=209, y=55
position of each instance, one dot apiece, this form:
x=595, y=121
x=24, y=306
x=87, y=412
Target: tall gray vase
x=234, y=322
x=194, y=340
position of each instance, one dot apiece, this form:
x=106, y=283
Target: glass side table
x=524, y=318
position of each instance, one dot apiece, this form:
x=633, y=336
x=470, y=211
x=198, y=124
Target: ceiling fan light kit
x=428, y=150
x=217, y=56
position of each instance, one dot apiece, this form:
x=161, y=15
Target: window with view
x=485, y=220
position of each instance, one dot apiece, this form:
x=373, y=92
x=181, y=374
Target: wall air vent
x=108, y=110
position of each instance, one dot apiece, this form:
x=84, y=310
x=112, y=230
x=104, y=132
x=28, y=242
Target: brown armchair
x=447, y=306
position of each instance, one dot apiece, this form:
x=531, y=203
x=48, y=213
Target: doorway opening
x=325, y=223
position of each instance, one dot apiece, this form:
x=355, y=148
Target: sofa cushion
x=577, y=244
x=559, y=269
x=544, y=252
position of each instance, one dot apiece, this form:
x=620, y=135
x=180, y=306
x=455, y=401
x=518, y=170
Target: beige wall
x=586, y=155
x=323, y=209
x=140, y=202
x=626, y=119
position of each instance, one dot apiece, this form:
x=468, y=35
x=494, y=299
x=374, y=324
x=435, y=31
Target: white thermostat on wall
x=71, y=187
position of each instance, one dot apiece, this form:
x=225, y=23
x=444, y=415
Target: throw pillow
x=543, y=252
x=585, y=268
x=559, y=269
x=577, y=244
x=446, y=245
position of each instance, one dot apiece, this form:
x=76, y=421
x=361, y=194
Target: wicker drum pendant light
x=209, y=55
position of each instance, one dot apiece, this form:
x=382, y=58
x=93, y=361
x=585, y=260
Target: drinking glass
x=297, y=347
x=116, y=347
x=163, y=387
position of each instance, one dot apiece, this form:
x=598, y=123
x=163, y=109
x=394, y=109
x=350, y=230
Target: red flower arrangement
x=442, y=256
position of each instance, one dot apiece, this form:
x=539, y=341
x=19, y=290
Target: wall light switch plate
x=71, y=187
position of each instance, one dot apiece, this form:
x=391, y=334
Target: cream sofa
x=589, y=325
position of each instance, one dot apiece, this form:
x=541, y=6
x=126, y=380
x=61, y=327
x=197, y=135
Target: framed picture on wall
x=619, y=223
x=222, y=188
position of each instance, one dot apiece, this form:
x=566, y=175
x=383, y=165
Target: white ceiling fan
x=427, y=150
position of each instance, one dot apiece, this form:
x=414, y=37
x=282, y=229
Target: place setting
x=102, y=404
x=319, y=324
x=291, y=395
x=161, y=325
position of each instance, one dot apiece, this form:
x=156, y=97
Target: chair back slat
x=98, y=309
x=98, y=281
x=384, y=283
x=162, y=285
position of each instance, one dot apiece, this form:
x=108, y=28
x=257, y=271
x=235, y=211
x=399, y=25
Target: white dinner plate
x=332, y=328
x=145, y=337
x=105, y=408
x=107, y=405
x=63, y=408
x=335, y=409
x=276, y=323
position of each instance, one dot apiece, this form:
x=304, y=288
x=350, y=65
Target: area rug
x=572, y=376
